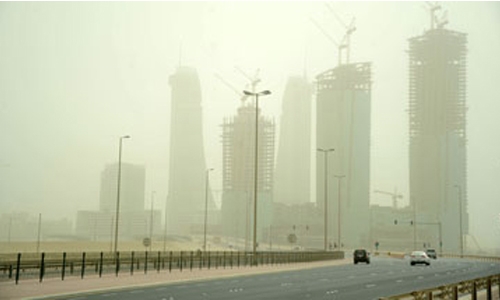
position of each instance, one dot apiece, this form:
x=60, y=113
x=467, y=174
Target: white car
x=419, y=257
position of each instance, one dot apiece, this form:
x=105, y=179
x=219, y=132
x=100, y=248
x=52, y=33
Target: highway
x=383, y=277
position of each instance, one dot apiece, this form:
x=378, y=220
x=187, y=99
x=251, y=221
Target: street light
x=326, y=191
x=151, y=222
x=460, y=212
x=206, y=209
x=118, y=191
x=262, y=93
x=339, y=177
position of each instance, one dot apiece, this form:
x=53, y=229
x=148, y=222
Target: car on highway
x=419, y=257
x=361, y=255
x=431, y=253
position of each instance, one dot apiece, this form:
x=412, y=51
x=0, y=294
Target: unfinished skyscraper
x=186, y=189
x=438, y=161
x=343, y=123
x=238, y=150
x=293, y=163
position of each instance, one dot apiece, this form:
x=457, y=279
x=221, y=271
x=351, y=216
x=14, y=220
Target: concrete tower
x=186, y=189
x=438, y=161
x=238, y=150
x=293, y=164
x=343, y=123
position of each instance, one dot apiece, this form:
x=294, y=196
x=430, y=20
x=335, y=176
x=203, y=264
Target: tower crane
x=345, y=44
x=395, y=196
x=230, y=86
x=435, y=20
x=253, y=80
x=346, y=40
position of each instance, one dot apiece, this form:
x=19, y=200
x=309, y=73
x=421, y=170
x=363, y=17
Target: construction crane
x=253, y=80
x=432, y=7
x=329, y=37
x=346, y=40
x=230, y=86
x=395, y=196
x=345, y=44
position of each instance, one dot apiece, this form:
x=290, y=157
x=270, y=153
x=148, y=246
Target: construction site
x=437, y=116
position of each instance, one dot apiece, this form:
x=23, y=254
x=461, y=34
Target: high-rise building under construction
x=437, y=115
x=238, y=150
x=187, y=168
x=343, y=123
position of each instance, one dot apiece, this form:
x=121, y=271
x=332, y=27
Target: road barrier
x=32, y=265
x=456, y=290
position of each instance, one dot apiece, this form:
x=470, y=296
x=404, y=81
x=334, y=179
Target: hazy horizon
x=76, y=76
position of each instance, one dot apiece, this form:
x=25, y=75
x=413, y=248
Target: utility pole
x=326, y=151
x=339, y=177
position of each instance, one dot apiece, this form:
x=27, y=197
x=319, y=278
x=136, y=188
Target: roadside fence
x=44, y=265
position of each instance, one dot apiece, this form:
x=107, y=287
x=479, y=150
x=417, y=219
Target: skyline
x=72, y=86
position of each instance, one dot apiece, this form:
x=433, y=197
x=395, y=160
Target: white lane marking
x=236, y=290
x=332, y=292
x=109, y=294
x=286, y=284
x=399, y=280
x=370, y=285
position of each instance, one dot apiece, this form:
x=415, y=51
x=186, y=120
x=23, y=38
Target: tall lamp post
x=325, y=151
x=206, y=209
x=460, y=216
x=339, y=177
x=118, y=191
x=262, y=93
x=151, y=221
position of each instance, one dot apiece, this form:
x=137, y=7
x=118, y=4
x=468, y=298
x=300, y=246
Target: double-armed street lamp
x=262, y=93
x=326, y=151
x=206, y=209
x=118, y=191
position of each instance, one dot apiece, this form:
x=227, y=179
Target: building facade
x=238, y=150
x=343, y=123
x=187, y=167
x=292, y=183
x=437, y=115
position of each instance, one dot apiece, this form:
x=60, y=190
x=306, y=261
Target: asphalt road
x=383, y=277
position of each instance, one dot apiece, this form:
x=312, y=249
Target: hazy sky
x=75, y=76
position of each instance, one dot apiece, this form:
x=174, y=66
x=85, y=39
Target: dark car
x=361, y=255
x=431, y=253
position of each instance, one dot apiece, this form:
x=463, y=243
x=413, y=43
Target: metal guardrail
x=454, y=291
x=43, y=265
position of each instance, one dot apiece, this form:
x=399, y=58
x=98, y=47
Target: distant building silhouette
x=186, y=188
x=133, y=187
x=134, y=219
x=238, y=150
x=343, y=123
x=437, y=115
x=292, y=183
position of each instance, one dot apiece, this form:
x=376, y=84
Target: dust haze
x=77, y=77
